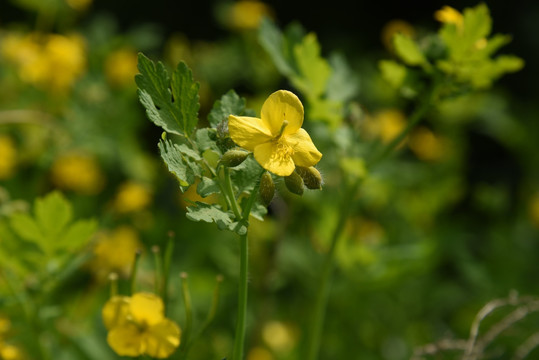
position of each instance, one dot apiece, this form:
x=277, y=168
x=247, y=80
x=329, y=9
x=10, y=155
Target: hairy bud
x=294, y=183
x=267, y=188
x=311, y=177
x=234, y=157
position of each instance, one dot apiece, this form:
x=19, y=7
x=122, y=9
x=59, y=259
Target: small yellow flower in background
x=8, y=157
x=51, y=62
x=385, y=125
x=394, y=27
x=276, y=139
x=78, y=172
x=191, y=196
x=121, y=67
x=279, y=336
x=259, y=353
x=425, y=144
x=10, y=352
x=132, y=197
x=247, y=14
x=79, y=5
x=534, y=210
x=137, y=326
x=449, y=15
x=115, y=250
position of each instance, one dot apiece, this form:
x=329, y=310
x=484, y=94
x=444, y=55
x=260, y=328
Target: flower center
x=283, y=151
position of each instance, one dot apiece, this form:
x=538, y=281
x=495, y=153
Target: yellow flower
x=425, y=144
x=534, y=210
x=49, y=61
x=276, y=139
x=79, y=5
x=137, y=326
x=121, y=67
x=385, y=125
x=114, y=251
x=259, y=353
x=449, y=15
x=279, y=336
x=78, y=172
x=8, y=157
x=132, y=197
x=247, y=14
x=10, y=352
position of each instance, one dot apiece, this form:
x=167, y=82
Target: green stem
x=322, y=294
x=186, y=336
x=167, y=260
x=239, y=339
x=133, y=283
x=230, y=194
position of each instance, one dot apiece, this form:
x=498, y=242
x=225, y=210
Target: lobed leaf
x=229, y=104
x=314, y=69
x=407, y=50
x=171, y=103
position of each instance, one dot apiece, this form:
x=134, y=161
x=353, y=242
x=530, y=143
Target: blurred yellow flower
x=132, y=197
x=137, y=326
x=78, y=172
x=534, y=210
x=279, y=336
x=394, y=27
x=449, y=15
x=8, y=157
x=385, y=125
x=259, y=353
x=51, y=62
x=425, y=144
x=276, y=139
x=115, y=250
x=121, y=67
x=247, y=14
x=79, y=5
x=10, y=352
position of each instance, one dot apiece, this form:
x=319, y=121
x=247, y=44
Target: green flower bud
x=311, y=177
x=294, y=183
x=267, y=188
x=234, y=157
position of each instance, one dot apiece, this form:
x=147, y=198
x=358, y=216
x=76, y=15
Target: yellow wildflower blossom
x=78, y=172
x=132, y=197
x=534, y=210
x=121, y=67
x=259, y=353
x=48, y=61
x=114, y=251
x=79, y=5
x=8, y=157
x=247, y=14
x=279, y=336
x=425, y=144
x=276, y=139
x=10, y=352
x=449, y=15
x=385, y=125
x=137, y=326
x=394, y=27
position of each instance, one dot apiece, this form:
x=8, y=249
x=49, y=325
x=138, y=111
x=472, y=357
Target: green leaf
x=314, y=69
x=26, y=227
x=392, y=72
x=229, y=104
x=330, y=111
x=407, y=50
x=211, y=214
x=477, y=23
x=246, y=175
x=171, y=103
x=207, y=187
x=53, y=213
x=343, y=84
x=272, y=40
x=78, y=234
x=206, y=139
x=178, y=162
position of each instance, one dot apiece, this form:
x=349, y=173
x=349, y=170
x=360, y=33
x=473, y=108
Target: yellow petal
x=147, y=309
x=279, y=106
x=248, y=132
x=276, y=157
x=162, y=339
x=305, y=153
x=115, y=311
x=126, y=340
